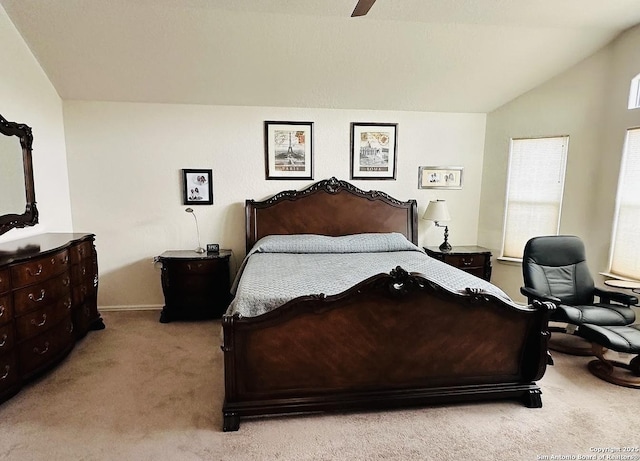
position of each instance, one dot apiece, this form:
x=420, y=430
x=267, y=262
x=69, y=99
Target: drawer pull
x=66, y=282
x=467, y=263
x=67, y=303
x=4, y=340
x=36, y=350
x=35, y=274
x=37, y=300
x=44, y=320
x=70, y=329
x=7, y=368
x=1, y=310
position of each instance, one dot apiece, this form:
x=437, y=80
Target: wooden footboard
x=393, y=340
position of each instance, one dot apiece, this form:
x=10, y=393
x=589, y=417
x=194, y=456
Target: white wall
x=588, y=103
x=27, y=96
x=125, y=164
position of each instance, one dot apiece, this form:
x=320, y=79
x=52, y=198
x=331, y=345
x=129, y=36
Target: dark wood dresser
x=195, y=286
x=48, y=300
x=473, y=259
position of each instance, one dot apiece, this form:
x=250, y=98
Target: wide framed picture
x=197, y=187
x=440, y=177
x=288, y=150
x=374, y=150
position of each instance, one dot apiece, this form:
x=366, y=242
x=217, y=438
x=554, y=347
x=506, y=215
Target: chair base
x=620, y=373
x=568, y=343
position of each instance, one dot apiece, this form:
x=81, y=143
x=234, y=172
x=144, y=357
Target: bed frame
x=393, y=340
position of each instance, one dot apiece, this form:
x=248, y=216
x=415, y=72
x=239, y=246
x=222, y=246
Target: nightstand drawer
x=469, y=261
x=472, y=259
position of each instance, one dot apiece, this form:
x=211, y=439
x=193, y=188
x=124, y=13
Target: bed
x=336, y=308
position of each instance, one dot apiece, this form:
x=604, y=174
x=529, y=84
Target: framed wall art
x=197, y=187
x=288, y=150
x=440, y=177
x=374, y=150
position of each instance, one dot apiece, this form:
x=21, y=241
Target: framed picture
x=288, y=150
x=440, y=177
x=197, y=187
x=374, y=150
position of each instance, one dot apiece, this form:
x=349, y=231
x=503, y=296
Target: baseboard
x=140, y=307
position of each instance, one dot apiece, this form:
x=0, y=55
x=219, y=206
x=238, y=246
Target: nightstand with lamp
x=195, y=283
x=469, y=258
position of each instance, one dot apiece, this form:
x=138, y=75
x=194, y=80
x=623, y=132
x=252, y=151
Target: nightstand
x=473, y=259
x=195, y=286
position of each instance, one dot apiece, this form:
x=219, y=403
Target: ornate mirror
x=17, y=192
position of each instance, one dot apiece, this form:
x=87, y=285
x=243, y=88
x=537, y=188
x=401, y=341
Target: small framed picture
x=288, y=150
x=197, y=187
x=374, y=150
x=440, y=177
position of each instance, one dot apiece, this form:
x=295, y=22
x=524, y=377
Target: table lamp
x=438, y=212
x=199, y=249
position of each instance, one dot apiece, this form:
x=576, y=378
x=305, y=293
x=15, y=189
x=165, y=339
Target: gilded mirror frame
x=30, y=215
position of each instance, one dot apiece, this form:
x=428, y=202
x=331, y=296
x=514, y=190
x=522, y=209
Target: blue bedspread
x=282, y=267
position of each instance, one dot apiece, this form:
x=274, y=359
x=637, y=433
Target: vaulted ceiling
x=426, y=55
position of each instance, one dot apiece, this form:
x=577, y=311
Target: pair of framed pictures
x=440, y=177
x=289, y=150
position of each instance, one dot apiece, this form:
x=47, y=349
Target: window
x=534, y=191
x=625, y=248
x=634, y=93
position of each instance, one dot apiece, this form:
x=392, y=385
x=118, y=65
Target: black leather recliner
x=555, y=269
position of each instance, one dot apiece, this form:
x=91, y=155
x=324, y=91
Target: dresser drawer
x=37, y=296
x=82, y=292
x=5, y=283
x=83, y=316
x=40, y=320
x=9, y=375
x=6, y=338
x=81, y=251
x=44, y=349
x=6, y=308
x=35, y=271
x=85, y=270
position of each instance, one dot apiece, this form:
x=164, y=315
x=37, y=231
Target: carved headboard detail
x=330, y=207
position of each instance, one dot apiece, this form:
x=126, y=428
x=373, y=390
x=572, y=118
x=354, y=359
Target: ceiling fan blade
x=362, y=7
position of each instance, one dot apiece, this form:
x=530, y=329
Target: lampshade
x=437, y=211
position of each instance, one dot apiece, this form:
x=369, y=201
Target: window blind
x=534, y=191
x=625, y=254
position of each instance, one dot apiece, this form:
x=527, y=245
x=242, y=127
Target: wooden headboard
x=330, y=207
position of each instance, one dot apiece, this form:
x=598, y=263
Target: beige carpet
x=142, y=390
